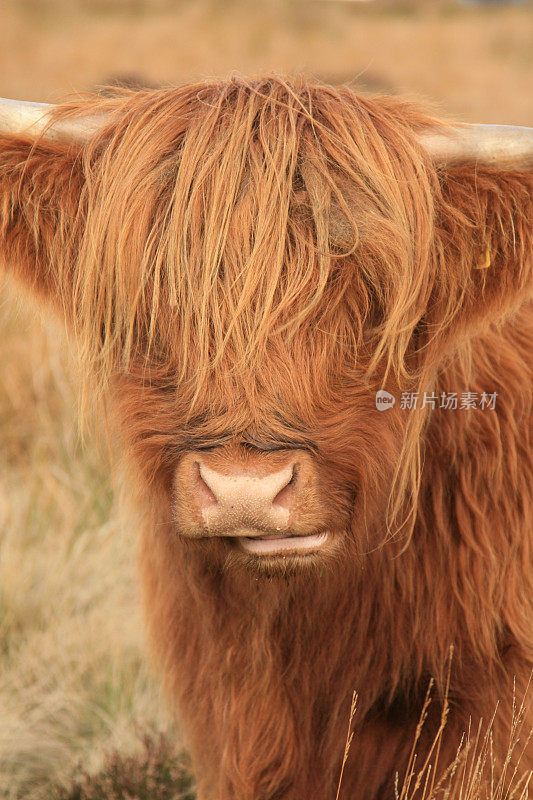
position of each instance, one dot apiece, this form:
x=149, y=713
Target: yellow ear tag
x=485, y=264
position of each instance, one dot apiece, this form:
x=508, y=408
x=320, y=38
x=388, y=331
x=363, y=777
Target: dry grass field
x=74, y=683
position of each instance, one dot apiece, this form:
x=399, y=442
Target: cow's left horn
x=493, y=145
x=17, y=116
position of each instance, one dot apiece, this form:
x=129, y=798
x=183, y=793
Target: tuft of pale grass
x=73, y=676
x=473, y=774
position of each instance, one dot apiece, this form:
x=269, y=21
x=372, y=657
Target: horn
x=33, y=119
x=508, y=146
x=494, y=145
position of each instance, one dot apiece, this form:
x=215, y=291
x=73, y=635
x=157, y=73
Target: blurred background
x=74, y=681
x=474, y=60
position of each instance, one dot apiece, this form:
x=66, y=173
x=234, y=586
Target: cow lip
x=275, y=544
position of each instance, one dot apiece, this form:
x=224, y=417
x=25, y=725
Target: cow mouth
x=281, y=545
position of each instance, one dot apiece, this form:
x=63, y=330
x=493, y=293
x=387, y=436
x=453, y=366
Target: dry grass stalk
x=349, y=737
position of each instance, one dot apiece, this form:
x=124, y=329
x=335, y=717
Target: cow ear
x=483, y=247
x=41, y=209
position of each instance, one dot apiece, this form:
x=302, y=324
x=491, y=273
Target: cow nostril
x=285, y=495
x=207, y=497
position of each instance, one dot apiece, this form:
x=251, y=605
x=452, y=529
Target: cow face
x=270, y=474
x=245, y=267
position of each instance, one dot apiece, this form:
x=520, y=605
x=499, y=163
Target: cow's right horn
x=32, y=119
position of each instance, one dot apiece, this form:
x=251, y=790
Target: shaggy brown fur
x=244, y=264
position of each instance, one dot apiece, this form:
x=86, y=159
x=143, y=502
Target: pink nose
x=240, y=498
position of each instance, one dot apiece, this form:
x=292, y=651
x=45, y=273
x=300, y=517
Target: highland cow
x=245, y=265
